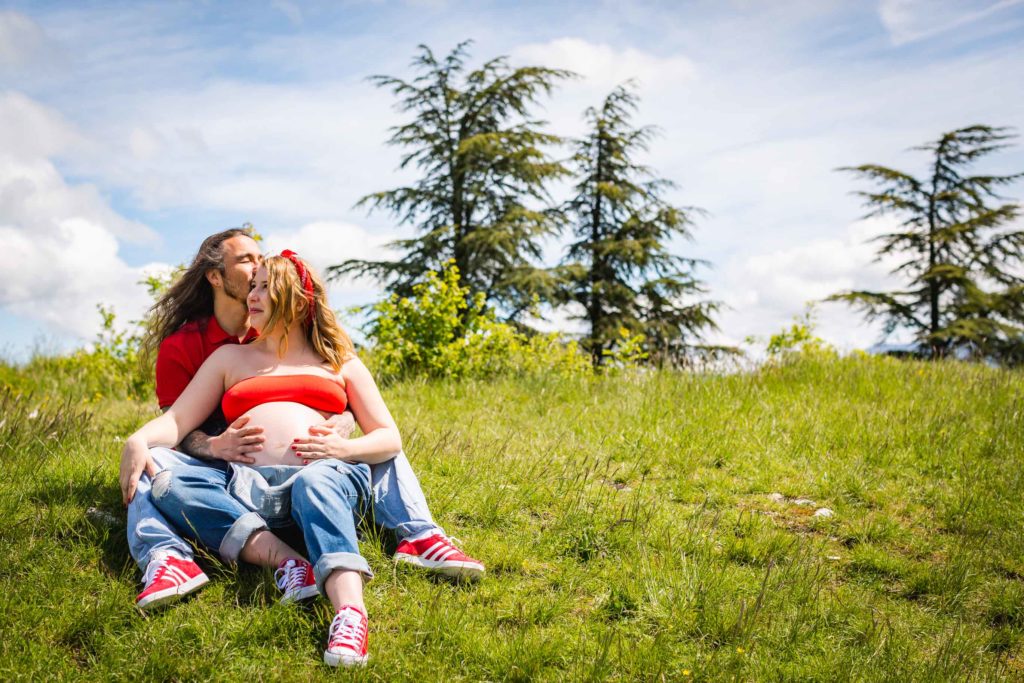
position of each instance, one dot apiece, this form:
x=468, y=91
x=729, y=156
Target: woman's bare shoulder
x=232, y=359
x=354, y=369
x=229, y=353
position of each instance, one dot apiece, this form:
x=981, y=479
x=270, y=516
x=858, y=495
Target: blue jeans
x=326, y=498
x=148, y=531
x=398, y=500
x=398, y=504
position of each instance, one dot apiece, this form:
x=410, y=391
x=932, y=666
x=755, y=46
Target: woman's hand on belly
x=321, y=443
x=282, y=422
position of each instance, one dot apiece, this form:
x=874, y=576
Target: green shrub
x=111, y=369
x=443, y=332
x=628, y=350
x=799, y=339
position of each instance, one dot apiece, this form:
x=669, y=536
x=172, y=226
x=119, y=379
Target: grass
x=626, y=523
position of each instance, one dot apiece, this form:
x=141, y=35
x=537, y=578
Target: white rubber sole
x=470, y=571
x=306, y=593
x=174, y=593
x=334, y=659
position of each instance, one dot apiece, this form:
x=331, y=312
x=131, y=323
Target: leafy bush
x=799, y=339
x=442, y=331
x=110, y=369
x=627, y=351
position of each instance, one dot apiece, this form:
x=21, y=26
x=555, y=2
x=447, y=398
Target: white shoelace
x=348, y=630
x=291, y=577
x=155, y=570
x=158, y=565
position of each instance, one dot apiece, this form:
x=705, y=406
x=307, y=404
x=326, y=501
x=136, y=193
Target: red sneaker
x=169, y=578
x=437, y=554
x=346, y=641
x=295, y=578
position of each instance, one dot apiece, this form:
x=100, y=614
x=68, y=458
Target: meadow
x=640, y=525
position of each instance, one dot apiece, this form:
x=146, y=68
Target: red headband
x=305, y=279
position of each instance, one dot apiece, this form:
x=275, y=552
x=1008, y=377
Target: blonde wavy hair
x=289, y=306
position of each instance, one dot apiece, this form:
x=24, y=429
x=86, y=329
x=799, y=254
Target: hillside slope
x=628, y=524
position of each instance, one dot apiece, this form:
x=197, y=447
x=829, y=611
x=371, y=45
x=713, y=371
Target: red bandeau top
x=315, y=391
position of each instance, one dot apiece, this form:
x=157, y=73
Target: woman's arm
x=380, y=441
x=195, y=404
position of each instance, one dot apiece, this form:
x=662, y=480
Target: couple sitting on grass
x=255, y=338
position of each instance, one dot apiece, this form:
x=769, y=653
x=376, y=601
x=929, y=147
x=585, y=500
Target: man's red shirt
x=182, y=353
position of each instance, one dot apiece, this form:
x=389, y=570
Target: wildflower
x=739, y=650
x=686, y=672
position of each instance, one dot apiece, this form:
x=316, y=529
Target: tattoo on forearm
x=197, y=443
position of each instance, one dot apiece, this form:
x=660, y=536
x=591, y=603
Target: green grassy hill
x=628, y=524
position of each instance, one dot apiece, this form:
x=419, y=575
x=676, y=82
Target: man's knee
x=174, y=483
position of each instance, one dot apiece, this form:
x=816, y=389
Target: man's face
x=241, y=259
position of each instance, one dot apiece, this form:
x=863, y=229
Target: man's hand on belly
x=342, y=423
x=238, y=442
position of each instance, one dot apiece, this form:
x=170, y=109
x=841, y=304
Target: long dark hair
x=191, y=296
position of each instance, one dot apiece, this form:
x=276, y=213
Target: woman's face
x=259, y=300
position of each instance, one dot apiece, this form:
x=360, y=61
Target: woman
x=301, y=369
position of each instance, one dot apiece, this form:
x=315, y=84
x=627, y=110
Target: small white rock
x=777, y=497
x=823, y=512
x=803, y=501
x=101, y=516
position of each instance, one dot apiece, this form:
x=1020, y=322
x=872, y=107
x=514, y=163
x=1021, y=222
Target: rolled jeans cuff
x=243, y=527
x=347, y=561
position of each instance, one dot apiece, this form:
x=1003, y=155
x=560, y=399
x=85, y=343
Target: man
x=202, y=311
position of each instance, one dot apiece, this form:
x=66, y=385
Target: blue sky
x=129, y=131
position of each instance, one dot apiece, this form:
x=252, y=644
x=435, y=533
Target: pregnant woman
x=301, y=369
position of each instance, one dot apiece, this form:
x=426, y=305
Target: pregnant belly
x=282, y=422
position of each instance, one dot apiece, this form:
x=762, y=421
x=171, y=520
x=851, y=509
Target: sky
x=129, y=131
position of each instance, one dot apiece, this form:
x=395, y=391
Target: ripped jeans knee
x=195, y=499
x=161, y=485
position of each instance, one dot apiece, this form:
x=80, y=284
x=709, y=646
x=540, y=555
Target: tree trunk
x=594, y=312
x=933, y=285
x=459, y=231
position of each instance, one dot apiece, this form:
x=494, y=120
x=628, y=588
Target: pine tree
x=619, y=268
x=481, y=198
x=962, y=264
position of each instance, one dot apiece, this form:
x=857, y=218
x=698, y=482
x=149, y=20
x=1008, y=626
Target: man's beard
x=236, y=293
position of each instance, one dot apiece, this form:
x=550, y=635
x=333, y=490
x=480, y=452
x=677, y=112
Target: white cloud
x=145, y=143
x=61, y=239
x=328, y=243
x=35, y=197
x=29, y=130
x=23, y=43
x=62, y=276
x=568, y=321
x=604, y=66
x=766, y=290
x=911, y=20
x=290, y=10
x=434, y=5
x=287, y=153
